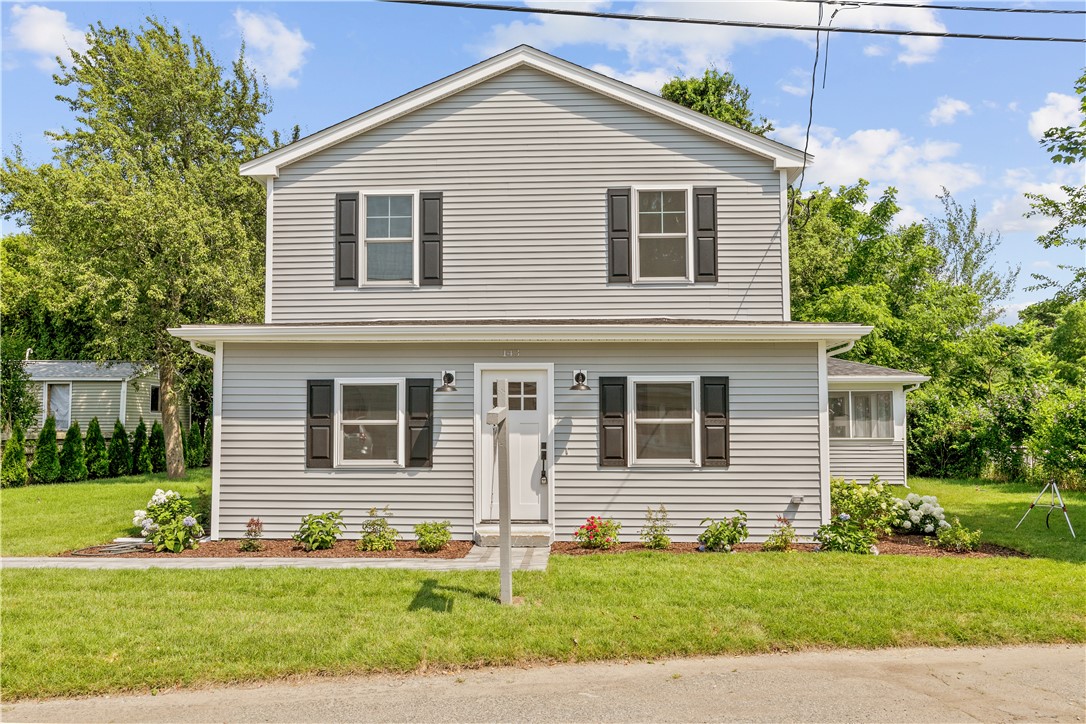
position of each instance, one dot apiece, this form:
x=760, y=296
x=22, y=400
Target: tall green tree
x=119, y=452
x=18, y=404
x=94, y=447
x=46, y=465
x=73, y=461
x=156, y=446
x=143, y=203
x=13, y=472
x=718, y=95
x=141, y=453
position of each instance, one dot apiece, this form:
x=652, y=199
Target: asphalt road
x=1029, y=683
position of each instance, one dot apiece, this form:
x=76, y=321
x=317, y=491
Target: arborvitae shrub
x=194, y=452
x=141, y=453
x=13, y=471
x=94, y=448
x=46, y=465
x=73, y=460
x=156, y=446
x=120, y=453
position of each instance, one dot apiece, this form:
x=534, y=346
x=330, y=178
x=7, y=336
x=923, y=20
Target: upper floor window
x=663, y=236
x=389, y=234
x=862, y=414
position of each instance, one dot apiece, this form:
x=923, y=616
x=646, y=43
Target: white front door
x=528, y=421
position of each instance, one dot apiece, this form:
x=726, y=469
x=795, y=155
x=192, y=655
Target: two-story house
x=620, y=259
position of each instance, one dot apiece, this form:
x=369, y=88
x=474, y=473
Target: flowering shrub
x=177, y=535
x=319, y=532
x=433, y=536
x=254, y=531
x=721, y=535
x=871, y=507
x=916, y=514
x=598, y=532
x=377, y=534
x=654, y=534
x=842, y=534
x=956, y=538
x=168, y=522
x=782, y=538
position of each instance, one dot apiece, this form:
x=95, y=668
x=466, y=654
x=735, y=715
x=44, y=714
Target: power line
x=969, y=8
x=730, y=23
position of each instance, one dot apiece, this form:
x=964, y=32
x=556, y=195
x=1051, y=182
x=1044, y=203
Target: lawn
x=42, y=520
x=69, y=632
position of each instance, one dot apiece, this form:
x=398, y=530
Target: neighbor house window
x=861, y=414
x=370, y=419
x=663, y=237
x=156, y=401
x=58, y=404
x=389, y=256
x=663, y=421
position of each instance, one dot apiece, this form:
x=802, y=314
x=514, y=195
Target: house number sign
x=510, y=353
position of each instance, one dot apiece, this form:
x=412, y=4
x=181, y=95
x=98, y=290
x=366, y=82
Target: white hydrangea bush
x=919, y=514
x=164, y=505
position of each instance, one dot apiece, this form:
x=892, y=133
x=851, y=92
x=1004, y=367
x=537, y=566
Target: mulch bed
x=291, y=549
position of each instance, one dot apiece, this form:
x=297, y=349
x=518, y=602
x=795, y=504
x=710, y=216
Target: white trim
x=362, y=256
x=879, y=379
x=635, y=234
x=631, y=432
x=477, y=435
x=269, y=226
x=786, y=272
x=123, y=417
x=783, y=157
x=216, y=432
x=823, y=437
x=401, y=401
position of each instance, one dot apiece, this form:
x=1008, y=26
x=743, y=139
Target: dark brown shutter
x=705, y=235
x=420, y=423
x=613, y=421
x=347, y=244
x=715, y=425
x=430, y=238
x=318, y=423
x=618, y=236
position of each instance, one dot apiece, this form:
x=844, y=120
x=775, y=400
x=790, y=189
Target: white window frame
x=695, y=411
x=851, y=436
x=45, y=404
x=635, y=234
x=363, y=256
x=401, y=402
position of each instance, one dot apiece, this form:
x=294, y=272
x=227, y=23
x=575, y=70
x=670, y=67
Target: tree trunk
x=171, y=426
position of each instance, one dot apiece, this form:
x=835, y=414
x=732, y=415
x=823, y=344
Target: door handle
x=543, y=457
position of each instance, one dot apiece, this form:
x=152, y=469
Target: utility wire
x=971, y=8
x=729, y=23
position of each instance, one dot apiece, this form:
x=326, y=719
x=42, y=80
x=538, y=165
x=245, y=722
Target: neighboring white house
x=622, y=260
x=80, y=391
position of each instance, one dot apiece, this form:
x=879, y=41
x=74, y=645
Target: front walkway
x=479, y=558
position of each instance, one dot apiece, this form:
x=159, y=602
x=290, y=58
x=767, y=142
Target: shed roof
x=48, y=370
x=844, y=370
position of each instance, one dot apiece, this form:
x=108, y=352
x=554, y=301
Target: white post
x=499, y=418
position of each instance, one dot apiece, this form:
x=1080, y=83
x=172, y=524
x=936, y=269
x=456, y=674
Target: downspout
x=840, y=350
x=201, y=351
x=905, y=451
x=216, y=416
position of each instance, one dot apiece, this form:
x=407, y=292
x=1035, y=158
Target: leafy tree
x=141, y=453
x=46, y=465
x=143, y=203
x=156, y=446
x=17, y=399
x=1058, y=441
x=194, y=450
x=73, y=461
x=120, y=452
x=1068, y=343
x=95, y=449
x=718, y=95
x=13, y=472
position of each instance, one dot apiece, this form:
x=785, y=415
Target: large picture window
x=663, y=235
x=370, y=420
x=663, y=421
x=863, y=415
x=58, y=397
x=389, y=255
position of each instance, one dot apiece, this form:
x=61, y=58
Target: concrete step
x=524, y=535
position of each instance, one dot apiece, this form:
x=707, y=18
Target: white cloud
x=44, y=33
x=651, y=80
x=946, y=110
x=1059, y=110
x=874, y=51
x=273, y=49
x=1007, y=212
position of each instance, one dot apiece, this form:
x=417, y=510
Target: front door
x=528, y=421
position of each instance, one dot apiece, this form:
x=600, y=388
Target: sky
x=917, y=114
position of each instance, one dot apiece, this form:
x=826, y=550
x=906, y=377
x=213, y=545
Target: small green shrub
x=598, y=532
x=177, y=535
x=433, y=536
x=319, y=532
x=722, y=535
x=120, y=452
x=94, y=447
x=254, y=531
x=841, y=534
x=654, y=533
x=1058, y=442
x=73, y=460
x=156, y=445
x=377, y=534
x=194, y=449
x=141, y=453
x=956, y=538
x=871, y=507
x=782, y=538
x=46, y=465
x=13, y=472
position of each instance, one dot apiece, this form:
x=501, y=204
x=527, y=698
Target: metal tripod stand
x=1054, y=491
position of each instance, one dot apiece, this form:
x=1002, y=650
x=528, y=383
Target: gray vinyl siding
x=774, y=438
x=524, y=161
x=860, y=459
x=89, y=400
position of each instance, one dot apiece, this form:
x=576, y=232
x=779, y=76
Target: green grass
x=995, y=508
x=42, y=520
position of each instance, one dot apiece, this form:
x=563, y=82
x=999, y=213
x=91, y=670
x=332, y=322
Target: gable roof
x=841, y=370
x=783, y=157
x=64, y=370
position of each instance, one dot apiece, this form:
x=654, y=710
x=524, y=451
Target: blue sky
x=917, y=114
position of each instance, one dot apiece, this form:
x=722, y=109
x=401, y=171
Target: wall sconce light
x=580, y=377
x=448, y=378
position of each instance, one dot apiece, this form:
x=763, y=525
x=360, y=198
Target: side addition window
x=861, y=415
x=389, y=233
x=371, y=423
x=662, y=235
